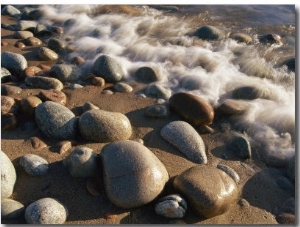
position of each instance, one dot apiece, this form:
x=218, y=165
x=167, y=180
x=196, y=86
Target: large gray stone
x=133, y=175
x=186, y=139
x=104, y=126
x=11, y=209
x=209, y=190
x=34, y=165
x=8, y=176
x=56, y=121
x=15, y=63
x=65, y=73
x=10, y=10
x=27, y=25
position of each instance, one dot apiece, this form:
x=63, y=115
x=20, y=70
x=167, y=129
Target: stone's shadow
x=224, y=153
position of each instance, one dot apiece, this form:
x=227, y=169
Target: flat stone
x=8, y=176
x=34, y=165
x=47, y=54
x=129, y=170
x=11, y=209
x=185, y=138
x=29, y=104
x=54, y=96
x=44, y=82
x=14, y=62
x=254, y=92
x=233, y=107
x=27, y=25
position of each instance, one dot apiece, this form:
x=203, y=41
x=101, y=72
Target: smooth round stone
x=157, y=111
x=233, y=107
x=47, y=54
x=122, y=87
x=209, y=190
x=270, y=38
x=27, y=25
x=8, y=105
x=32, y=71
x=192, y=108
x=171, y=206
x=10, y=90
x=9, y=121
x=44, y=82
x=56, y=45
x=22, y=34
x=240, y=145
x=46, y=211
x=15, y=63
x=253, y=92
x=66, y=73
x=89, y=106
x=108, y=68
x=98, y=81
x=231, y=172
x=10, y=10
x=56, y=121
x=185, y=138
x=8, y=176
x=158, y=91
x=104, y=126
x=20, y=45
x=78, y=60
x=41, y=29
x=54, y=96
x=29, y=104
x=147, y=75
x=208, y=32
x=11, y=209
x=241, y=37
x=34, y=165
x=82, y=162
x=133, y=175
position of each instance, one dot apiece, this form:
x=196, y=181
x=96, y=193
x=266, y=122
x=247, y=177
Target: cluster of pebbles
x=132, y=175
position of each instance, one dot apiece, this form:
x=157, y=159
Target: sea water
x=160, y=37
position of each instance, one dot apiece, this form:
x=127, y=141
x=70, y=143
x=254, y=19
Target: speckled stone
x=44, y=82
x=82, y=162
x=186, y=139
x=8, y=176
x=54, y=96
x=66, y=73
x=34, y=165
x=14, y=62
x=56, y=121
x=46, y=211
x=208, y=190
x=29, y=104
x=133, y=175
x=104, y=126
x=171, y=206
x=11, y=209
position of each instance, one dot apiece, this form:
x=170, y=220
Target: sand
x=258, y=183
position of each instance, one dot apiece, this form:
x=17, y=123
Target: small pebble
x=32, y=41
x=32, y=71
x=232, y=173
x=37, y=143
x=20, y=45
x=78, y=60
x=62, y=146
x=47, y=54
x=244, y=203
x=54, y=96
x=98, y=81
x=157, y=111
x=34, y=165
x=8, y=105
x=3, y=43
x=122, y=87
x=107, y=92
x=22, y=34
x=172, y=206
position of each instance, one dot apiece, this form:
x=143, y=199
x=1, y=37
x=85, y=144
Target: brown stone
x=45, y=68
x=3, y=43
x=8, y=121
x=53, y=95
x=192, y=108
x=89, y=106
x=20, y=45
x=8, y=105
x=32, y=71
x=33, y=41
x=62, y=146
x=233, y=107
x=98, y=81
x=286, y=218
x=78, y=60
x=37, y=144
x=29, y=104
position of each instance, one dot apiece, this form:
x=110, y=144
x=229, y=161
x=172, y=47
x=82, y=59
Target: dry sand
x=258, y=187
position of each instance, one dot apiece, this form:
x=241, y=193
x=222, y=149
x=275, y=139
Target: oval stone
x=8, y=105
x=32, y=41
x=65, y=73
x=146, y=75
x=108, y=68
x=208, y=190
x=29, y=104
x=10, y=10
x=56, y=121
x=254, y=92
x=192, y=108
x=104, y=126
x=22, y=34
x=132, y=174
x=56, y=45
x=47, y=54
x=44, y=82
x=233, y=107
x=208, y=32
x=8, y=176
x=186, y=139
x=32, y=71
x=46, y=211
x=34, y=165
x=122, y=87
x=241, y=37
x=11, y=209
x=15, y=63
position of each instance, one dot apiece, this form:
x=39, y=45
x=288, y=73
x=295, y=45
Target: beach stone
x=253, y=92
x=122, y=87
x=57, y=30
x=78, y=60
x=29, y=104
x=231, y=172
x=46, y=54
x=185, y=138
x=9, y=27
x=65, y=73
x=33, y=71
x=157, y=111
x=98, y=81
x=240, y=145
x=208, y=32
x=46, y=211
x=108, y=68
x=41, y=30
x=286, y=218
x=10, y=90
x=270, y=38
x=89, y=106
x=15, y=63
x=209, y=190
x=34, y=165
x=44, y=82
x=20, y=45
x=8, y=105
x=75, y=86
x=107, y=92
x=11, y=209
x=54, y=96
x=146, y=75
x=9, y=121
x=10, y=10
x=192, y=108
x=158, y=91
x=32, y=41
x=45, y=68
x=82, y=162
x=5, y=75
x=4, y=43
x=27, y=25
x=8, y=176
x=56, y=45
x=171, y=206
x=37, y=143
x=56, y=121
x=241, y=37
x=133, y=175
x=62, y=146
x=233, y=107
x=290, y=63
x=104, y=126
x=22, y=34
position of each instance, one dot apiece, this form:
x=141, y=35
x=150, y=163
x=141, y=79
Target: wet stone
x=233, y=107
x=20, y=45
x=98, y=81
x=54, y=96
x=240, y=145
x=10, y=10
x=29, y=104
x=158, y=91
x=157, y=111
x=41, y=30
x=208, y=32
x=46, y=211
x=11, y=209
x=147, y=75
x=15, y=63
x=253, y=92
x=27, y=25
x=82, y=162
x=9, y=121
x=34, y=165
x=171, y=206
x=47, y=54
x=78, y=60
x=290, y=63
x=231, y=172
x=22, y=34
x=56, y=45
x=185, y=138
x=241, y=37
x=270, y=38
x=277, y=158
x=8, y=176
x=44, y=82
x=8, y=105
x=33, y=71
x=66, y=73
x=122, y=87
